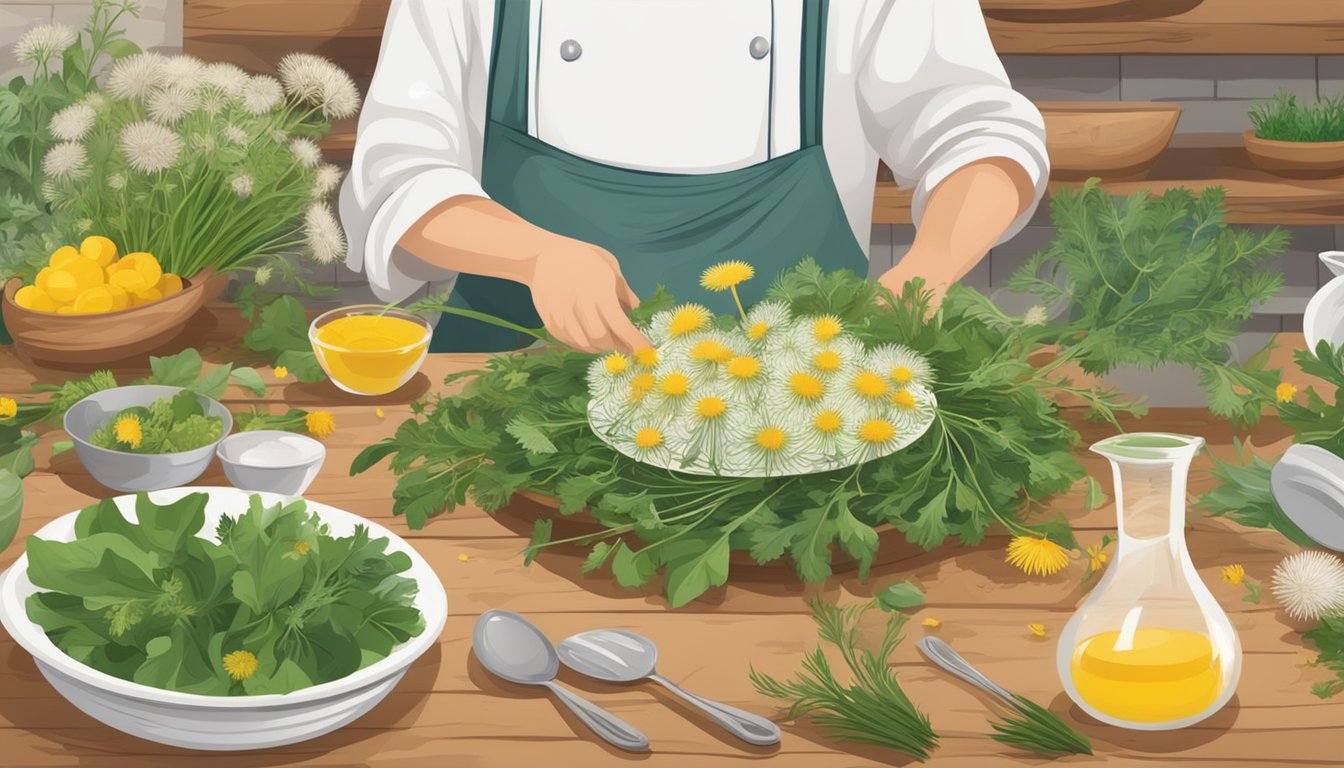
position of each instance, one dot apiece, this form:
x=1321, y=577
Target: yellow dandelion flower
x=379, y=412
x=641, y=385
x=320, y=424
x=771, y=439
x=877, y=431
x=281, y=372
x=903, y=399
x=826, y=328
x=648, y=438
x=300, y=547
x=806, y=386
x=687, y=319
x=462, y=558
x=710, y=407
x=8, y=408
x=616, y=363
x=729, y=274
x=712, y=351
x=931, y=623
x=757, y=331
x=1284, y=392
x=240, y=665
x=1096, y=557
x=1234, y=574
x=647, y=357
x=827, y=422
x=128, y=431
x=869, y=385
x=744, y=367
x=1037, y=556
x=676, y=384
x=826, y=360
x=902, y=375
x=1037, y=629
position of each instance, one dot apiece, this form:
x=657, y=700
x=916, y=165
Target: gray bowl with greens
x=147, y=437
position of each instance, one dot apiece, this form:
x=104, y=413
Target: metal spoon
x=616, y=656
x=941, y=653
x=511, y=647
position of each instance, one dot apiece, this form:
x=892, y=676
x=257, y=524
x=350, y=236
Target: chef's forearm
x=965, y=216
x=476, y=235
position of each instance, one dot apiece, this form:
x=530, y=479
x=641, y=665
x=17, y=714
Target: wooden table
x=449, y=712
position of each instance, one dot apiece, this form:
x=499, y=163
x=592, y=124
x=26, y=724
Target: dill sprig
x=1037, y=729
x=872, y=708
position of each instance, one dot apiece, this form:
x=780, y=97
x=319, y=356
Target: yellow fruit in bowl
x=94, y=301
x=120, y=298
x=99, y=249
x=86, y=272
x=62, y=256
x=32, y=297
x=61, y=285
x=146, y=296
x=169, y=284
x=145, y=264
x=65, y=309
x=129, y=280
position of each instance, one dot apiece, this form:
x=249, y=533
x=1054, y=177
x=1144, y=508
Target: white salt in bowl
x=271, y=461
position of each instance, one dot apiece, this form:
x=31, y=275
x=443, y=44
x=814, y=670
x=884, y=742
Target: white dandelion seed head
x=44, y=42
x=66, y=161
x=261, y=93
x=171, y=103
x=212, y=101
x=135, y=77
x=73, y=123
x=316, y=81
x=328, y=179
x=226, y=78
x=1037, y=315
x=184, y=71
x=263, y=274
x=1310, y=585
x=234, y=135
x=242, y=185
x=150, y=147
x=306, y=152
x=116, y=182
x=324, y=233
x=203, y=143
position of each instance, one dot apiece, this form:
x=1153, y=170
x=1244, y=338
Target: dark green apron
x=664, y=228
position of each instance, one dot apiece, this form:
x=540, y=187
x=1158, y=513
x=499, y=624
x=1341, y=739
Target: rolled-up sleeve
x=934, y=98
x=417, y=143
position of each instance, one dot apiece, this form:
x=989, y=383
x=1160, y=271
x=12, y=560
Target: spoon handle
x=611, y=728
x=750, y=728
x=941, y=653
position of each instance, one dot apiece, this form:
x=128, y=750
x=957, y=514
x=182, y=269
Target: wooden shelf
x=1196, y=162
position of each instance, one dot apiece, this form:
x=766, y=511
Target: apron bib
x=663, y=228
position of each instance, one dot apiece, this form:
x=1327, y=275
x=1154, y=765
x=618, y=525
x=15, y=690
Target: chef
x=552, y=161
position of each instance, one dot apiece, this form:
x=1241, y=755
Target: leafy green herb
x=872, y=708
x=1243, y=496
x=1284, y=119
x=277, y=604
x=248, y=379
x=900, y=596
x=169, y=425
x=11, y=506
x=280, y=333
x=1037, y=729
x=1329, y=640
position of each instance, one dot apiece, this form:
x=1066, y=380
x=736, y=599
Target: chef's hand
x=582, y=297
x=938, y=271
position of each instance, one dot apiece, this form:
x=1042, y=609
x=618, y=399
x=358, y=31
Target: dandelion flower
x=1035, y=316
x=616, y=363
x=827, y=360
x=306, y=152
x=674, y=384
x=828, y=422
x=648, y=443
x=66, y=161
x=869, y=386
x=128, y=431
x=877, y=431
x=73, y=122
x=261, y=277
x=281, y=372
x=904, y=400
x=1310, y=585
x=8, y=408
x=743, y=368
x=1285, y=392
x=320, y=424
x=1036, y=629
x=1096, y=557
x=711, y=351
x=240, y=665
x=325, y=237
x=728, y=274
x=1037, y=556
x=242, y=185
x=767, y=318
x=171, y=103
x=44, y=42
x=710, y=407
x=766, y=445
x=771, y=439
x=826, y=328
x=641, y=385
x=150, y=147
x=646, y=357
x=687, y=319
x=135, y=77
x=648, y=438
x=260, y=94
x=229, y=79
x=806, y=387
x=234, y=135
x=320, y=83
x=902, y=365
x=931, y=623
x=1234, y=574
x=327, y=180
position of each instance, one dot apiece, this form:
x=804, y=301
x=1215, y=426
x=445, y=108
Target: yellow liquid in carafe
x=373, y=352
x=1162, y=675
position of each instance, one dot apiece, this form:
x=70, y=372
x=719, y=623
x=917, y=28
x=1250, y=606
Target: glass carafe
x=1150, y=648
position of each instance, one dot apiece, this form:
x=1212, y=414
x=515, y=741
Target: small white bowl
x=271, y=460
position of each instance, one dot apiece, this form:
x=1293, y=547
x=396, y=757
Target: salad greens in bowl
x=217, y=619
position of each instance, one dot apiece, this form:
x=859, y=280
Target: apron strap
x=813, y=76
x=507, y=97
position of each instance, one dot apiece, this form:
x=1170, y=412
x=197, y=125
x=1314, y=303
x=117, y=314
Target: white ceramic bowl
x=1324, y=316
x=271, y=460
x=222, y=723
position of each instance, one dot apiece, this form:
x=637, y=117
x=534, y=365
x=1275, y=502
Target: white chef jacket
x=673, y=86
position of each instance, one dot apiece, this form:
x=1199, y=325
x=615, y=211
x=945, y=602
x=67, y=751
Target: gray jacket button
x=760, y=47
x=570, y=50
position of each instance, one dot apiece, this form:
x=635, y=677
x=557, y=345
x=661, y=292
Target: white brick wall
x=159, y=26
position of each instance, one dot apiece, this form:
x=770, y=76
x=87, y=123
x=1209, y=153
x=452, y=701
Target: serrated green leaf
x=541, y=536
x=530, y=437
x=630, y=568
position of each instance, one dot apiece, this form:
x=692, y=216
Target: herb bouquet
x=1140, y=280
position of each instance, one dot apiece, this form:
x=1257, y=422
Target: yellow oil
x=1161, y=675
x=371, y=354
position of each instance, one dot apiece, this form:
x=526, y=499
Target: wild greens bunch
x=168, y=425
x=1284, y=119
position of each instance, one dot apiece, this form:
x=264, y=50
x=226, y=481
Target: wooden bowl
x=93, y=340
x=1107, y=139
x=1295, y=159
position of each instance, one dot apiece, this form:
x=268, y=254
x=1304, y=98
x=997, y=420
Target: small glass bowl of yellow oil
x=369, y=349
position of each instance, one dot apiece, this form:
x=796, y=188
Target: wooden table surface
x=448, y=712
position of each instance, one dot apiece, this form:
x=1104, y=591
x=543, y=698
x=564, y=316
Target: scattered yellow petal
x=8, y=408
x=932, y=623
x=721, y=277
x=1037, y=629
x=128, y=431
x=379, y=412
x=320, y=424
x=1234, y=574
x=1097, y=557
x=1037, y=556
x=462, y=558
x=281, y=372
x=1284, y=392
x=240, y=664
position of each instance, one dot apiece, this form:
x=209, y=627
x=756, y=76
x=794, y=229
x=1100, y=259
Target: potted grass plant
x=1297, y=140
